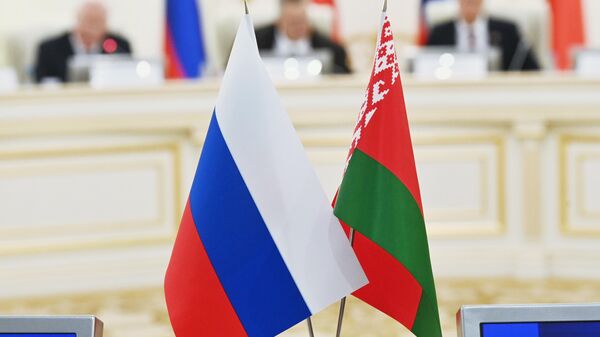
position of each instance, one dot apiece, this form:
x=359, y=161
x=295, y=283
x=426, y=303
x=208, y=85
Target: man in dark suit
x=89, y=37
x=292, y=35
x=472, y=32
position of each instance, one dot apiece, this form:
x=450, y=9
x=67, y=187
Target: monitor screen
x=543, y=329
x=38, y=335
x=50, y=326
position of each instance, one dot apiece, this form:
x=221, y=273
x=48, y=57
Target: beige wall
x=592, y=22
x=92, y=184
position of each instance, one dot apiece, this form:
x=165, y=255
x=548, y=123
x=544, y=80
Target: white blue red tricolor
x=423, y=32
x=184, y=41
x=259, y=248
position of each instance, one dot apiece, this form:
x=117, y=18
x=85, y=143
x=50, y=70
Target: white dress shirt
x=285, y=47
x=472, y=37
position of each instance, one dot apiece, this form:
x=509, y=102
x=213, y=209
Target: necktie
x=472, y=38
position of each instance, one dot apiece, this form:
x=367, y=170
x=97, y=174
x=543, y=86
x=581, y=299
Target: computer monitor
x=50, y=326
x=587, y=63
x=79, y=67
x=8, y=80
x=304, y=67
x=548, y=320
x=443, y=63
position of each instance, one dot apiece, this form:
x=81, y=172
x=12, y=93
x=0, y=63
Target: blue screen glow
x=543, y=329
x=511, y=329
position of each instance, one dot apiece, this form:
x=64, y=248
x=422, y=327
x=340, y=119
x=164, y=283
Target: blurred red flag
x=336, y=34
x=568, y=30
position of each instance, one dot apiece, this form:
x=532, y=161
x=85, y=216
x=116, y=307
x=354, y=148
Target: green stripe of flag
x=377, y=204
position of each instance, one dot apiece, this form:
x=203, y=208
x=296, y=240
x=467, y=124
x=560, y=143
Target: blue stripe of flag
x=243, y=253
x=185, y=26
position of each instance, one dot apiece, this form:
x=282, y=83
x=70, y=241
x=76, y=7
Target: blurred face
x=294, y=21
x=470, y=9
x=91, y=24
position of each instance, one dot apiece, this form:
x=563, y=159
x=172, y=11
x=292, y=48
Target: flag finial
x=246, y=7
x=385, y=6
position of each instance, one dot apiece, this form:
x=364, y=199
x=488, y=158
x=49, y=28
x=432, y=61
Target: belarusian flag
x=379, y=198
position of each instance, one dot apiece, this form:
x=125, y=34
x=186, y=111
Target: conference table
x=93, y=181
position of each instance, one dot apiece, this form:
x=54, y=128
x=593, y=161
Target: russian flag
x=259, y=248
x=423, y=33
x=184, y=44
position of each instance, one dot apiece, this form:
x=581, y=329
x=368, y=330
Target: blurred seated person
x=89, y=37
x=292, y=35
x=475, y=32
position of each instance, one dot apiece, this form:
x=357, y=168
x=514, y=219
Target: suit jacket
x=502, y=34
x=265, y=38
x=54, y=53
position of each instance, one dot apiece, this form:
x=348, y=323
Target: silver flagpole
x=338, y=332
x=311, y=333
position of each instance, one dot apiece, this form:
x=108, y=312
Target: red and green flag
x=379, y=197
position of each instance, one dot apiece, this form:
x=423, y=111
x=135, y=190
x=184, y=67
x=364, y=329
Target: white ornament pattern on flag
x=385, y=74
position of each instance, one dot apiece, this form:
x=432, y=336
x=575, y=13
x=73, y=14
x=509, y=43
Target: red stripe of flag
x=173, y=67
x=383, y=269
x=192, y=289
x=569, y=30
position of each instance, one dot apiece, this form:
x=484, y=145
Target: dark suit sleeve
x=340, y=56
x=265, y=37
x=443, y=34
x=435, y=37
x=126, y=47
x=123, y=45
x=340, y=60
x=531, y=62
x=43, y=65
x=523, y=58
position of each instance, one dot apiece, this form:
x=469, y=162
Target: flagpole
x=311, y=333
x=338, y=332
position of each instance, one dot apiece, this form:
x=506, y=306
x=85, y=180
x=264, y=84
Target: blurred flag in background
x=336, y=32
x=568, y=30
x=423, y=32
x=185, y=53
